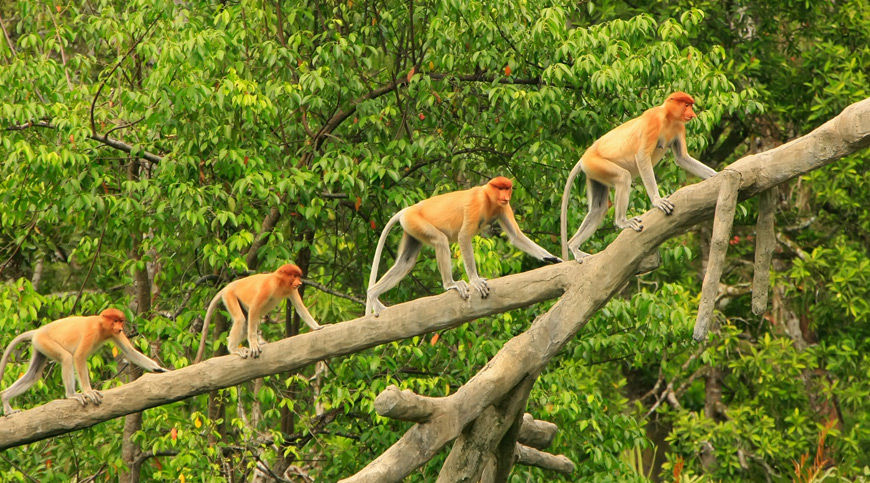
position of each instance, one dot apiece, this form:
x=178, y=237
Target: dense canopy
x=153, y=151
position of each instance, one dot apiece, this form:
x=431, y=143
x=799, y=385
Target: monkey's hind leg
x=34, y=371
x=239, y=329
x=441, y=244
x=409, y=249
x=622, y=187
x=597, y=195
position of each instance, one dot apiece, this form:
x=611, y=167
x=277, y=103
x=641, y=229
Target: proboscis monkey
x=626, y=152
x=441, y=220
x=248, y=299
x=70, y=341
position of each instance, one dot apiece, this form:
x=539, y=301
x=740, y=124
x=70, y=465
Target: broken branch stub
x=533, y=457
x=405, y=405
x=726, y=204
x=765, y=242
x=536, y=433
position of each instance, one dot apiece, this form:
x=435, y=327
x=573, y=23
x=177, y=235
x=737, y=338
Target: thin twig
x=330, y=291
x=118, y=64
x=124, y=126
x=18, y=246
x=105, y=139
x=60, y=45
x=18, y=468
x=8, y=39
x=200, y=281
x=93, y=261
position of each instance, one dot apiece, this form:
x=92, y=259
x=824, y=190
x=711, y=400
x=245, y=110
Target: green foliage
x=337, y=114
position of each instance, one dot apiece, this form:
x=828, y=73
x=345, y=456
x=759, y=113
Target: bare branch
x=532, y=457
x=536, y=433
x=726, y=205
x=405, y=405
x=765, y=242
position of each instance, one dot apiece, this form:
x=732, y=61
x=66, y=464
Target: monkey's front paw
x=10, y=411
x=665, y=205
x=481, y=286
x=460, y=286
x=255, y=351
x=243, y=352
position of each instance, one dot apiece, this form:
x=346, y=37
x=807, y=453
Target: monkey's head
x=114, y=320
x=679, y=106
x=503, y=188
x=290, y=274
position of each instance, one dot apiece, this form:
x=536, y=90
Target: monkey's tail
x=24, y=336
x=563, y=222
x=373, y=278
x=208, y=314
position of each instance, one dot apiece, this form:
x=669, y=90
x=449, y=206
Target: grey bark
x=765, y=242
x=536, y=433
x=405, y=405
x=478, y=445
x=726, y=204
x=583, y=287
x=37, y=272
x=532, y=457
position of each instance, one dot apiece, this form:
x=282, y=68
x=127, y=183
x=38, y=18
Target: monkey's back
x=621, y=144
x=445, y=211
x=68, y=331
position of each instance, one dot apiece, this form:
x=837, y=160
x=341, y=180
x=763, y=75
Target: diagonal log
x=586, y=287
x=726, y=204
x=765, y=242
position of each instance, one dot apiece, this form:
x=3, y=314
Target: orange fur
x=447, y=218
x=258, y=294
x=70, y=341
x=626, y=152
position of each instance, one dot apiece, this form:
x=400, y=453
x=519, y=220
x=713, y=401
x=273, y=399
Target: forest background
x=155, y=150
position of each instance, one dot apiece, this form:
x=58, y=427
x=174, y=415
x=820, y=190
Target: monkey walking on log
x=441, y=220
x=626, y=152
x=248, y=299
x=69, y=342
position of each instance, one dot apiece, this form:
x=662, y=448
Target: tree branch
x=112, y=143
x=726, y=205
x=765, y=242
x=402, y=321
